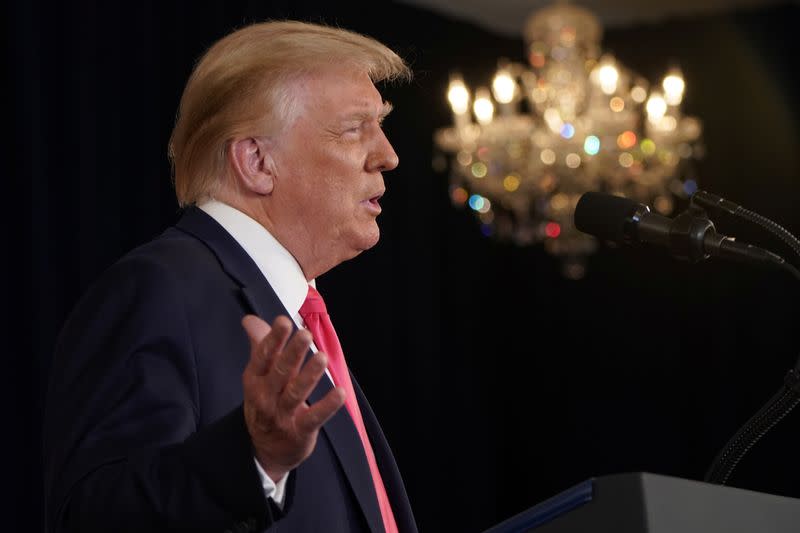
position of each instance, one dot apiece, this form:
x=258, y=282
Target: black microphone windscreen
x=604, y=215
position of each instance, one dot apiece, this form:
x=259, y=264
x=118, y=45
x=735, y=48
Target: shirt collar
x=278, y=266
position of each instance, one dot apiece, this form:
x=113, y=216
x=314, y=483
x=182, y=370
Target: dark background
x=498, y=382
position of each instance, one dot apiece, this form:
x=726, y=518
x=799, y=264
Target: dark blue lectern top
x=549, y=509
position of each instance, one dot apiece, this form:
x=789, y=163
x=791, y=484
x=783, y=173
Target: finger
x=317, y=414
x=273, y=344
x=287, y=362
x=256, y=330
x=299, y=388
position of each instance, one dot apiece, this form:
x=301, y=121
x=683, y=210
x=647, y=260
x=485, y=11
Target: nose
x=382, y=158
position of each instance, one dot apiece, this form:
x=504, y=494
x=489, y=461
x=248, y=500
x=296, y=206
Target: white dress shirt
x=285, y=277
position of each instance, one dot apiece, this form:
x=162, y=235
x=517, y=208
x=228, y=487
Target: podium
x=641, y=502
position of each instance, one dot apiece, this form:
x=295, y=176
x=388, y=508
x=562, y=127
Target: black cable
x=775, y=410
x=788, y=397
x=713, y=201
x=774, y=228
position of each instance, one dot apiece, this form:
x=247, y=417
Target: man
x=171, y=405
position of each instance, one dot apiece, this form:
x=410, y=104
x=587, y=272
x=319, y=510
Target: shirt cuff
x=276, y=491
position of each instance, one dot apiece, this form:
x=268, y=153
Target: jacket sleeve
x=123, y=450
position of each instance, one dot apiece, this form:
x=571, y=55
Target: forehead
x=342, y=91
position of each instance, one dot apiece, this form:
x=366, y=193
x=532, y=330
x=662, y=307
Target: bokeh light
x=591, y=145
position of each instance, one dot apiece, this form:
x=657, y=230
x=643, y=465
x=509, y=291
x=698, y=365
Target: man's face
x=328, y=166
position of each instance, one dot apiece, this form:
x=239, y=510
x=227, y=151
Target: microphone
x=690, y=236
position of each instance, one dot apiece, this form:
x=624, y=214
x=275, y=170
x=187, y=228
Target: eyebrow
x=366, y=115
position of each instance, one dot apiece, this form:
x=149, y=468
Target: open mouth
x=374, y=203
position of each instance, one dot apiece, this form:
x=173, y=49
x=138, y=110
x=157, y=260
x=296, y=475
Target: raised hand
x=282, y=426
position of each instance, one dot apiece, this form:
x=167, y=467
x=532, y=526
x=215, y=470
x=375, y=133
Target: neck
x=291, y=236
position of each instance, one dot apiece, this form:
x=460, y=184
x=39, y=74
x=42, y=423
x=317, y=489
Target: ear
x=252, y=164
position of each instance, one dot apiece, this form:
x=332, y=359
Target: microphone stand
x=788, y=396
x=780, y=405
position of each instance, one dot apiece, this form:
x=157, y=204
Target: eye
x=351, y=129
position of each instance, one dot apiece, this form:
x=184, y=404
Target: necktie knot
x=313, y=303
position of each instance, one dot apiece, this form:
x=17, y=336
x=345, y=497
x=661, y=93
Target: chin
x=368, y=239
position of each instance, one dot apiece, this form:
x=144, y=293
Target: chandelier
x=572, y=120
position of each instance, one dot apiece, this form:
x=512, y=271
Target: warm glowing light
x=504, y=87
x=591, y=145
x=656, y=107
x=626, y=139
x=559, y=201
x=568, y=131
x=568, y=36
x=573, y=160
x=548, y=156
x=487, y=205
x=537, y=59
x=547, y=182
x=648, y=147
x=639, y=94
x=464, y=158
x=668, y=123
x=553, y=119
x=479, y=170
x=511, y=183
x=459, y=195
x=608, y=76
x=539, y=95
x=458, y=95
x=483, y=106
x=616, y=104
x=663, y=204
x=552, y=230
x=674, y=86
x=625, y=159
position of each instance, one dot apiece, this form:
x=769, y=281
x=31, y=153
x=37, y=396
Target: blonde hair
x=241, y=87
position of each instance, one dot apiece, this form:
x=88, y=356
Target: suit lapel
x=393, y=482
x=342, y=434
x=262, y=300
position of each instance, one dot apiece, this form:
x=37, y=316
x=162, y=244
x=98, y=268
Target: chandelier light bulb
x=639, y=94
x=673, y=88
x=504, y=87
x=553, y=119
x=483, y=106
x=656, y=107
x=608, y=76
x=458, y=95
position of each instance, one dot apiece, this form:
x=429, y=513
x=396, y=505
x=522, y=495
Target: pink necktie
x=318, y=322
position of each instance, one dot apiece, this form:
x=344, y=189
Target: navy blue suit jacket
x=144, y=429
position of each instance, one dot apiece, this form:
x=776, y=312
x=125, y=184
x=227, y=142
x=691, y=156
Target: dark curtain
x=498, y=382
